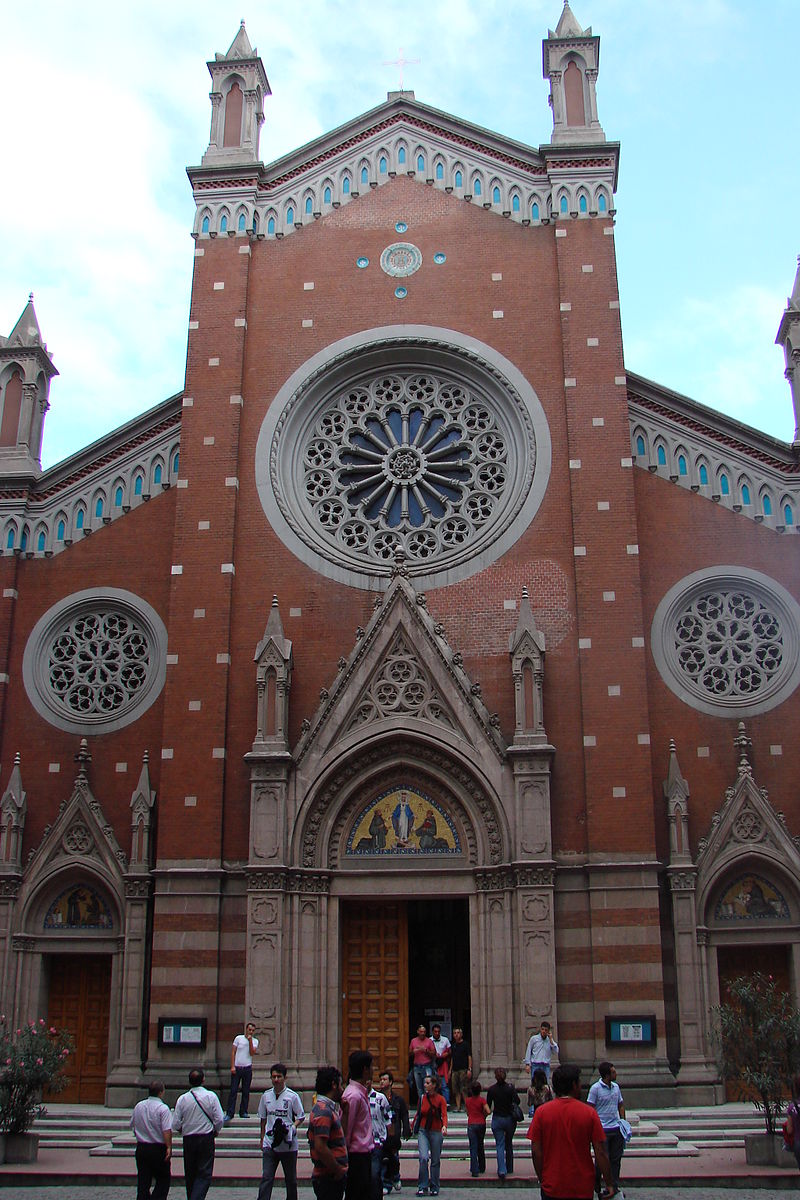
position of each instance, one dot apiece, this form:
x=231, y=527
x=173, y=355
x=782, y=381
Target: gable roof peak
x=239, y=48
x=26, y=332
x=794, y=299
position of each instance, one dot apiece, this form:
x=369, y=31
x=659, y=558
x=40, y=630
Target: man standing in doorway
x=242, y=1051
x=423, y=1054
x=563, y=1134
x=198, y=1116
x=540, y=1050
x=443, y=1055
x=281, y=1111
x=326, y=1137
x=357, y=1123
x=461, y=1064
x=605, y=1096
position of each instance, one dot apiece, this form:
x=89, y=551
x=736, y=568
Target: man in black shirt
x=461, y=1063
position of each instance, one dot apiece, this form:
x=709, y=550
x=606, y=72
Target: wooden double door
x=79, y=1000
x=375, y=983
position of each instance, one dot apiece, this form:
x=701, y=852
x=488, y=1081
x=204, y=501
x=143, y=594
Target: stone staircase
x=666, y=1132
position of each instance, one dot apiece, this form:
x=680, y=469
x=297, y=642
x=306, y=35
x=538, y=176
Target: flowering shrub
x=31, y=1058
x=757, y=1038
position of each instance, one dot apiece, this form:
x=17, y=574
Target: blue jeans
x=542, y=1066
x=244, y=1077
x=477, y=1156
x=503, y=1130
x=430, y=1145
x=421, y=1072
x=270, y=1165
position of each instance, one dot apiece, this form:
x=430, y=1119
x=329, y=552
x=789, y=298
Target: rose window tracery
x=728, y=641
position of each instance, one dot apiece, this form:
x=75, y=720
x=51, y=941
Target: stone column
x=309, y=950
x=494, y=955
x=697, y=1063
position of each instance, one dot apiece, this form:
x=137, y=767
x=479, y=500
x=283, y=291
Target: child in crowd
x=539, y=1092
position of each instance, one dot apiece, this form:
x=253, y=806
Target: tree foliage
x=757, y=1037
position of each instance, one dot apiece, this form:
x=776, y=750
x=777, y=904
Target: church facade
x=415, y=659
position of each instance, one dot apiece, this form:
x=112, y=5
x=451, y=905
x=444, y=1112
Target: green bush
x=757, y=1038
x=31, y=1058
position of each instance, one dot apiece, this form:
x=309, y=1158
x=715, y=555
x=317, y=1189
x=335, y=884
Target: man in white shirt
x=151, y=1122
x=281, y=1111
x=198, y=1116
x=540, y=1050
x=242, y=1051
x=381, y=1113
x=442, y=1064
x=606, y=1097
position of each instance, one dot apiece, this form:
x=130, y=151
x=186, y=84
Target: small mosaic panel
x=751, y=898
x=401, y=226
x=401, y=259
x=362, y=262
x=439, y=257
x=402, y=821
x=80, y=906
x=401, y=293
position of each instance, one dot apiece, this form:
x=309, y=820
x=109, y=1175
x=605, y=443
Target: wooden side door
x=375, y=984
x=79, y=1000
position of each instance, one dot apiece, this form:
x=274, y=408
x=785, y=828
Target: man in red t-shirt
x=563, y=1134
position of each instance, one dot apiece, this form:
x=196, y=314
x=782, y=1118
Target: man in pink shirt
x=357, y=1125
x=423, y=1055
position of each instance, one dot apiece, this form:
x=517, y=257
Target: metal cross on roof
x=400, y=62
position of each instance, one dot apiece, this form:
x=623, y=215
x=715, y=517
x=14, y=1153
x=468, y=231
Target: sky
x=105, y=106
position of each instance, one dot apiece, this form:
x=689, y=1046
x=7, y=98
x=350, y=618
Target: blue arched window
x=118, y=497
x=308, y=206
x=176, y=462
x=439, y=171
x=745, y=494
x=496, y=195
x=420, y=162
x=204, y=226
x=724, y=485
x=681, y=464
x=788, y=515
x=326, y=196
x=271, y=226
x=563, y=205
x=41, y=541
x=24, y=542
x=703, y=475
x=98, y=508
x=346, y=185
x=401, y=155
x=582, y=205
x=640, y=445
x=515, y=203
x=10, y=540
x=240, y=226
x=661, y=456
x=601, y=204
x=477, y=188
x=459, y=179
x=290, y=216
x=79, y=519
x=157, y=474
x=364, y=175
x=534, y=211
x=137, y=485
x=223, y=225
x=255, y=222
x=767, y=505
x=60, y=531
x=382, y=165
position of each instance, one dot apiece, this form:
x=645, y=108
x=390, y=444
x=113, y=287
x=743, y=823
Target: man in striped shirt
x=326, y=1137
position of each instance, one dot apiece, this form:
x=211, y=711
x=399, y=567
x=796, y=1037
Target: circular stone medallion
x=401, y=259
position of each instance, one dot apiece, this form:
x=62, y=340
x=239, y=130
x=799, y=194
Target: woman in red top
x=477, y=1112
x=430, y=1125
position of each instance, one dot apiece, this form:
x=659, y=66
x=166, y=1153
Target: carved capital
x=683, y=881
x=138, y=888
x=9, y=888
x=534, y=876
x=316, y=882
x=266, y=881
x=22, y=943
x=498, y=880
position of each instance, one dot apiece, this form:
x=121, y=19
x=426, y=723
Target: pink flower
x=41, y=1020
x=8, y=1062
x=39, y=1062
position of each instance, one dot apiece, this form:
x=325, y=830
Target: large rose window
x=435, y=457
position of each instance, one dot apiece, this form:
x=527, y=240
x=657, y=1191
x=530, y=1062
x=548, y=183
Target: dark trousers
x=152, y=1169
x=615, y=1144
x=243, y=1076
x=390, y=1167
x=477, y=1155
x=359, y=1177
x=198, y=1164
x=326, y=1188
x=270, y=1166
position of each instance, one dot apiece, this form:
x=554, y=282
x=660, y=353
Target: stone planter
x=21, y=1147
x=766, y=1150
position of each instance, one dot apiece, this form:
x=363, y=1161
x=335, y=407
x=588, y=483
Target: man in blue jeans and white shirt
x=606, y=1097
x=540, y=1050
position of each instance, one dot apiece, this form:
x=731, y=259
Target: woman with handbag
x=503, y=1100
x=430, y=1126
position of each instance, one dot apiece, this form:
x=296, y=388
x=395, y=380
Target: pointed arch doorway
x=402, y=961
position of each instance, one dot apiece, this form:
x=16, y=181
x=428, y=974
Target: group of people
x=355, y=1131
